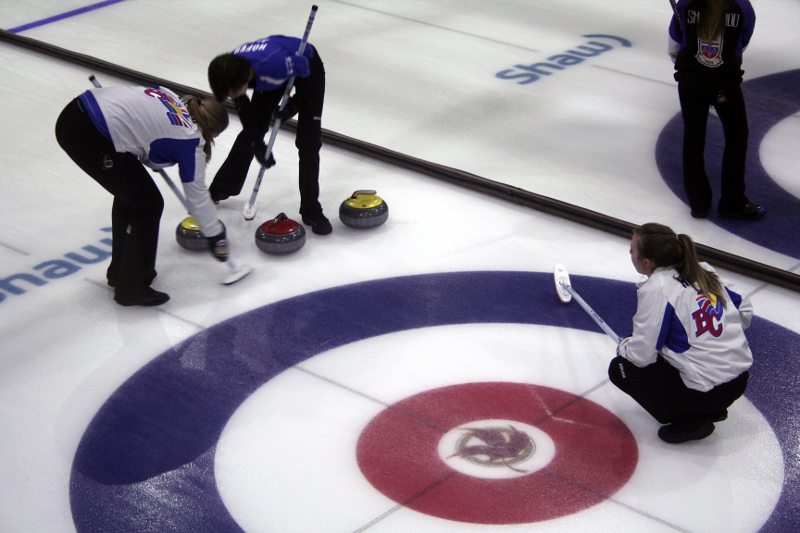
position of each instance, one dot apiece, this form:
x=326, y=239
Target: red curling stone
x=280, y=235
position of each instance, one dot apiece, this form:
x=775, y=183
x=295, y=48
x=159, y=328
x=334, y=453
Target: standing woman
x=265, y=66
x=111, y=134
x=687, y=359
x=707, y=38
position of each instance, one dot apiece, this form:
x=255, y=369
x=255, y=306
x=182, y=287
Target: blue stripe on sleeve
x=180, y=151
x=672, y=335
x=735, y=297
x=90, y=105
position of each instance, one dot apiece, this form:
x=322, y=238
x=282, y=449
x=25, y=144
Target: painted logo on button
x=494, y=446
x=496, y=449
x=497, y=453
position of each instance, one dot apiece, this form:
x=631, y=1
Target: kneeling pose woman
x=687, y=359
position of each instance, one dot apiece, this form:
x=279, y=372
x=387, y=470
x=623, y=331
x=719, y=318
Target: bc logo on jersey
x=177, y=113
x=707, y=315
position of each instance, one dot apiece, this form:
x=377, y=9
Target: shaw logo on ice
x=54, y=269
x=524, y=74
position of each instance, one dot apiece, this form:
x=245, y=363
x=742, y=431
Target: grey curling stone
x=188, y=235
x=363, y=209
x=280, y=236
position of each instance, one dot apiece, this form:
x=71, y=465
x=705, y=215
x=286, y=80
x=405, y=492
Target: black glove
x=218, y=245
x=259, y=150
x=288, y=111
x=298, y=65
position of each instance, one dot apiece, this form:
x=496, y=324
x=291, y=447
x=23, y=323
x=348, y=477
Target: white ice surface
x=417, y=77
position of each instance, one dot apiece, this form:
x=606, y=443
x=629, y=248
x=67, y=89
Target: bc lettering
x=177, y=113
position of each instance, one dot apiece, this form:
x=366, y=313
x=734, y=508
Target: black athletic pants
x=659, y=389
x=695, y=98
x=138, y=204
x=255, y=117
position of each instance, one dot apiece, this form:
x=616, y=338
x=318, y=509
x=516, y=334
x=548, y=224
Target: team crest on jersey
x=709, y=53
x=177, y=113
x=708, y=316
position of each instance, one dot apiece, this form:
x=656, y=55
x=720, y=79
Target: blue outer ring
x=146, y=461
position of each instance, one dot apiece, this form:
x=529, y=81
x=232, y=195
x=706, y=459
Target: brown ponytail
x=211, y=117
x=666, y=249
x=712, y=19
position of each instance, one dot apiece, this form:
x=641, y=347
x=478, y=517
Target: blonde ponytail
x=690, y=270
x=667, y=249
x=712, y=19
x=211, y=117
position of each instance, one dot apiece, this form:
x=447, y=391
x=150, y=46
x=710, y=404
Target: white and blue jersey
x=153, y=124
x=696, y=334
x=267, y=57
